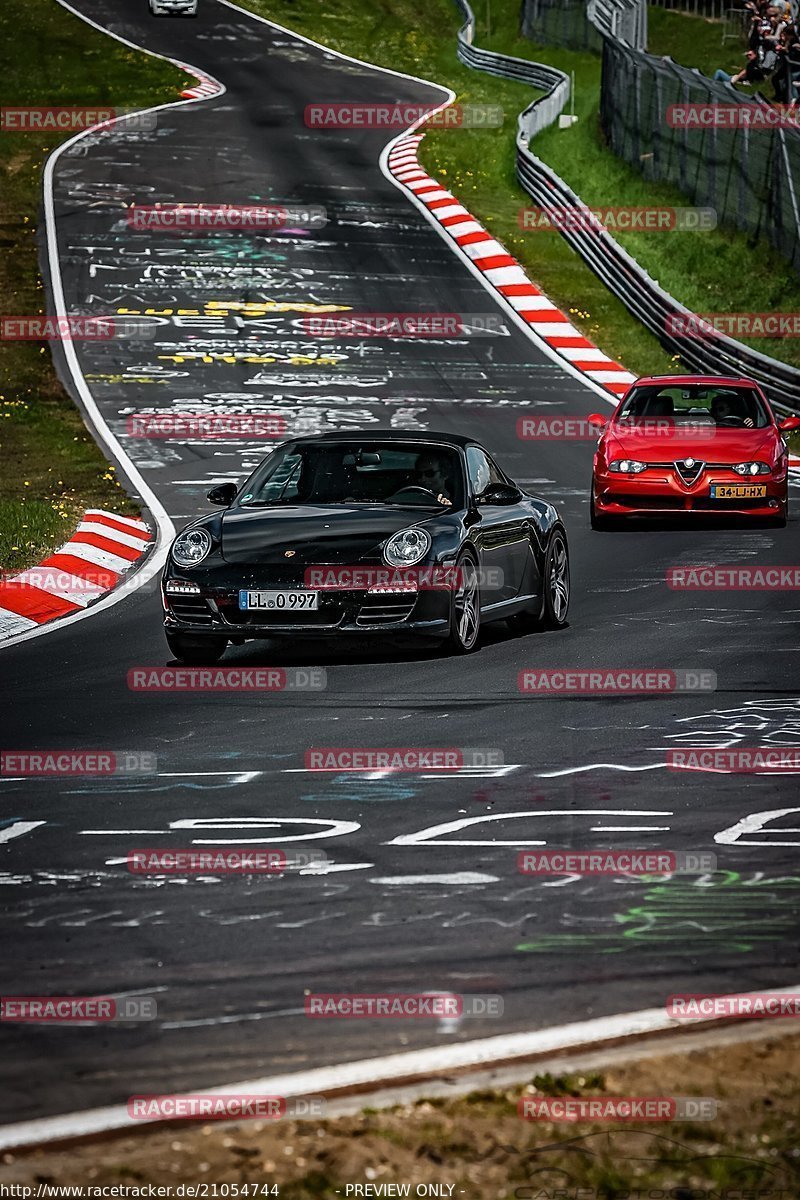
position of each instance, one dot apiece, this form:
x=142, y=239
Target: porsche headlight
x=628, y=466
x=752, y=468
x=191, y=547
x=407, y=547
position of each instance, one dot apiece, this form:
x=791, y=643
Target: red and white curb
x=100, y=552
x=503, y=272
x=206, y=85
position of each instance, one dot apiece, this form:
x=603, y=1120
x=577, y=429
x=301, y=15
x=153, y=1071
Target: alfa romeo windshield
x=695, y=404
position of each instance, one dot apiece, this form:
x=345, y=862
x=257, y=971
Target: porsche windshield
x=710, y=405
x=410, y=474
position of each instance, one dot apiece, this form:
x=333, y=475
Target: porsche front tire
x=555, y=582
x=465, y=607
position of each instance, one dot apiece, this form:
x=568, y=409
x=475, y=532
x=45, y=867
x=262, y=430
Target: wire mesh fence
x=750, y=175
x=563, y=23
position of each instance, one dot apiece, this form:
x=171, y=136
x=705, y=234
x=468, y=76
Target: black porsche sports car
x=366, y=533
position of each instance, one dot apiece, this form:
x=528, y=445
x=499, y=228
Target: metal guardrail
x=554, y=83
x=622, y=20
x=622, y=275
x=649, y=303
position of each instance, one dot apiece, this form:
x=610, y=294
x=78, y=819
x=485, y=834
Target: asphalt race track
x=229, y=959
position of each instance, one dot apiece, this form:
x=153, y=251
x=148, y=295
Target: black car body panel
x=274, y=548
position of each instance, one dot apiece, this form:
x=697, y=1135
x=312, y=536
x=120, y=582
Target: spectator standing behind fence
x=787, y=53
x=771, y=42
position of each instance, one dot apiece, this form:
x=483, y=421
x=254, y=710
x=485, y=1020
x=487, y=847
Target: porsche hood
x=309, y=534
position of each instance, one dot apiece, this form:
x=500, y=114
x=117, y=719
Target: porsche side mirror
x=223, y=493
x=789, y=424
x=598, y=420
x=500, y=493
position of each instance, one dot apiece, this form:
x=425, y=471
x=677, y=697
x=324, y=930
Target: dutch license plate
x=278, y=601
x=738, y=491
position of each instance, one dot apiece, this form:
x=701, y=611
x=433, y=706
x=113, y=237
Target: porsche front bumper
x=213, y=608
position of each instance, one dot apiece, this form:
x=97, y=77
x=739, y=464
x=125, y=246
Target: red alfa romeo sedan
x=699, y=444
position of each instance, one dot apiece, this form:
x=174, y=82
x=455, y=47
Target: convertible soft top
x=388, y=435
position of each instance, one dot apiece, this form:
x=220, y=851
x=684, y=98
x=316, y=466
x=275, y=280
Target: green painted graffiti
x=720, y=912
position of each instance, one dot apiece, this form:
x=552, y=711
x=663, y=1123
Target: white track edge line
x=165, y=530
x=383, y=1071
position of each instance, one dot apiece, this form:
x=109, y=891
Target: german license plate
x=738, y=491
x=278, y=601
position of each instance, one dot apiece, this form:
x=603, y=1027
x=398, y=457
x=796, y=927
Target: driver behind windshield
x=431, y=474
x=726, y=412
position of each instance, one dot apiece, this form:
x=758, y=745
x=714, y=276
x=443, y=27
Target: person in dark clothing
x=787, y=52
x=752, y=72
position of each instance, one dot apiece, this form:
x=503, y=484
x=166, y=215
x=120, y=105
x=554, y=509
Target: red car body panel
x=661, y=442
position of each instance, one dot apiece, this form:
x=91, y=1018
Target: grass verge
x=693, y=41
x=50, y=467
x=722, y=270
x=478, y=1146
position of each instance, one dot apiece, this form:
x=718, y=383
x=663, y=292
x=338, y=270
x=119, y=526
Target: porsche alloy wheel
x=556, y=583
x=551, y=610
x=465, y=610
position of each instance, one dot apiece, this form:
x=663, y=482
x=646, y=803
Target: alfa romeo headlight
x=629, y=466
x=752, y=468
x=191, y=547
x=407, y=547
